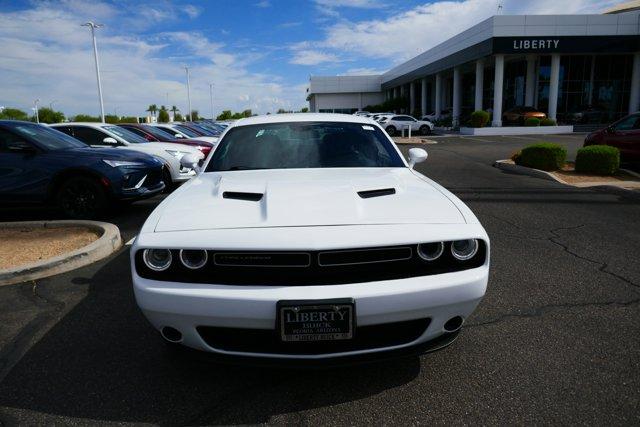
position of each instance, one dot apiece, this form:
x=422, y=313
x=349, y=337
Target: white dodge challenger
x=308, y=236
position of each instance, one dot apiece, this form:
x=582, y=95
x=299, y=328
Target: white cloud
x=363, y=71
x=55, y=62
x=312, y=57
x=263, y=3
x=192, y=11
x=360, y=4
x=405, y=34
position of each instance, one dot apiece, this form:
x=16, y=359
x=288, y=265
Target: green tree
x=163, y=115
x=194, y=116
x=13, y=114
x=225, y=115
x=152, y=109
x=128, y=119
x=47, y=115
x=178, y=117
x=175, y=110
x=86, y=118
x=304, y=110
x=111, y=118
x=247, y=113
x=281, y=111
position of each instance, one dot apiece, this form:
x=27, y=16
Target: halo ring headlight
x=430, y=251
x=463, y=250
x=193, y=258
x=157, y=259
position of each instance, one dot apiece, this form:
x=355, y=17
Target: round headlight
x=464, y=249
x=157, y=259
x=430, y=251
x=193, y=258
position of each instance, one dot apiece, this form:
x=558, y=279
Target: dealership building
x=558, y=64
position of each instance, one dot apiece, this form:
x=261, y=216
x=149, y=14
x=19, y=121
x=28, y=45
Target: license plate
x=325, y=320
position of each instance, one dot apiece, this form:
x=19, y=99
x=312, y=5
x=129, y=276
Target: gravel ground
x=20, y=246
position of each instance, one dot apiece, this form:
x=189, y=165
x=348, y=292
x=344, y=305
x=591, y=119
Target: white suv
x=395, y=124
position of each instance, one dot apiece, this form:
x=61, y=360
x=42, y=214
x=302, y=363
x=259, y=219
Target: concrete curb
x=108, y=242
x=522, y=170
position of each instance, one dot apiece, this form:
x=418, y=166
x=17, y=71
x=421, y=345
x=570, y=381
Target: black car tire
x=425, y=130
x=391, y=130
x=81, y=198
x=169, y=186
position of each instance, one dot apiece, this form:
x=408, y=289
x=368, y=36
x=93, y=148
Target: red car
x=154, y=134
x=623, y=134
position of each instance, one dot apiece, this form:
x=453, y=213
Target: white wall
x=321, y=101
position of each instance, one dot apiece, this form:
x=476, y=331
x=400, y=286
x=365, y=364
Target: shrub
x=545, y=156
x=598, y=159
x=547, y=122
x=532, y=121
x=479, y=119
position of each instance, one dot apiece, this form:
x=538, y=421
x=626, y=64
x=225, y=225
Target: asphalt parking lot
x=555, y=341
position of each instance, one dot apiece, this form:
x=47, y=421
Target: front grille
x=335, y=267
x=267, y=340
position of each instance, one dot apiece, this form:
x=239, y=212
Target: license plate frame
x=322, y=328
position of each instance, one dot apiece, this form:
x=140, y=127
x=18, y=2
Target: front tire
x=81, y=198
x=391, y=130
x=425, y=130
x=169, y=186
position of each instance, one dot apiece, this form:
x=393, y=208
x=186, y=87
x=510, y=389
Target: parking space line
x=130, y=242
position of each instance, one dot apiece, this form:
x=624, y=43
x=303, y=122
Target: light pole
x=211, y=85
x=95, y=56
x=188, y=93
x=35, y=107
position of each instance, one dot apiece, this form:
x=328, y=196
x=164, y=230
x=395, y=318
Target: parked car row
x=83, y=168
x=397, y=123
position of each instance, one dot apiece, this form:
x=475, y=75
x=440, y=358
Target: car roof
x=90, y=124
x=303, y=117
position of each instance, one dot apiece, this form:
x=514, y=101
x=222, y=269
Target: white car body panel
x=308, y=210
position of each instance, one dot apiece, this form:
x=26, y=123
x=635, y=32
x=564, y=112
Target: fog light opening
x=453, y=324
x=171, y=334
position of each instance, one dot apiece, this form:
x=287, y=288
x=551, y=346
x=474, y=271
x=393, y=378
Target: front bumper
x=186, y=306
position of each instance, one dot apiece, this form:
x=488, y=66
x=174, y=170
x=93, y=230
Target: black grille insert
x=364, y=256
x=252, y=197
x=267, y=340
x=262, y=259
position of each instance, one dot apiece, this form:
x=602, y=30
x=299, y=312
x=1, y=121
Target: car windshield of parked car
x=304, y=145
x=185, y=130
x=126, y=134
x=160, y=134
x=48, y=138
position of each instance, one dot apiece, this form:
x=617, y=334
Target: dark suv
x=39, y=164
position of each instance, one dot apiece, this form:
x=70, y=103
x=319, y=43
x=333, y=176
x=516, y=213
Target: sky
x=258, y=54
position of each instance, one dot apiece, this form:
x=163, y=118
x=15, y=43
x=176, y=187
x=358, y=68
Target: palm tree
x=174, y=110
x=152, y=109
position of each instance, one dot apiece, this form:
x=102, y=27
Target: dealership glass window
x=544, y=76
x=612, y=84
x=514, y=78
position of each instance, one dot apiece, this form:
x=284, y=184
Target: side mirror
x=417, y=155
x=110, y=141
x=189, y=161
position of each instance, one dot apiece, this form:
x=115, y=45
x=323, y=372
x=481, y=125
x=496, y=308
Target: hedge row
x=545, y=156
x=598, y=159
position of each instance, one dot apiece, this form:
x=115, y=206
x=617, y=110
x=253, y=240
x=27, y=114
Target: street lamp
x=211, y=85
x=188, y=93
x=93, y=27
x=35, y=108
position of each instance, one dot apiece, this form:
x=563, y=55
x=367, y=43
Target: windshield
x=160, y=134
x=304, y=145
x=47, y=137
x=186, y=131
x=126, y=134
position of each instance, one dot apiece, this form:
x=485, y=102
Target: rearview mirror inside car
x=110, y=141
x=417, y=155
x=177, y=135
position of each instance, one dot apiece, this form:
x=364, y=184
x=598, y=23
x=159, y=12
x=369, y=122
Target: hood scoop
x=238, y=195
x=377, y=193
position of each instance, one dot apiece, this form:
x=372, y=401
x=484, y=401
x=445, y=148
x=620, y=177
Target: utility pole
x=211, y=85
x=188, y=93
x=95, y=57
x=35, y=107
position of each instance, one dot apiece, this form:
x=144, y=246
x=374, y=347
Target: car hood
x=111, y=154
x=305, y=197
